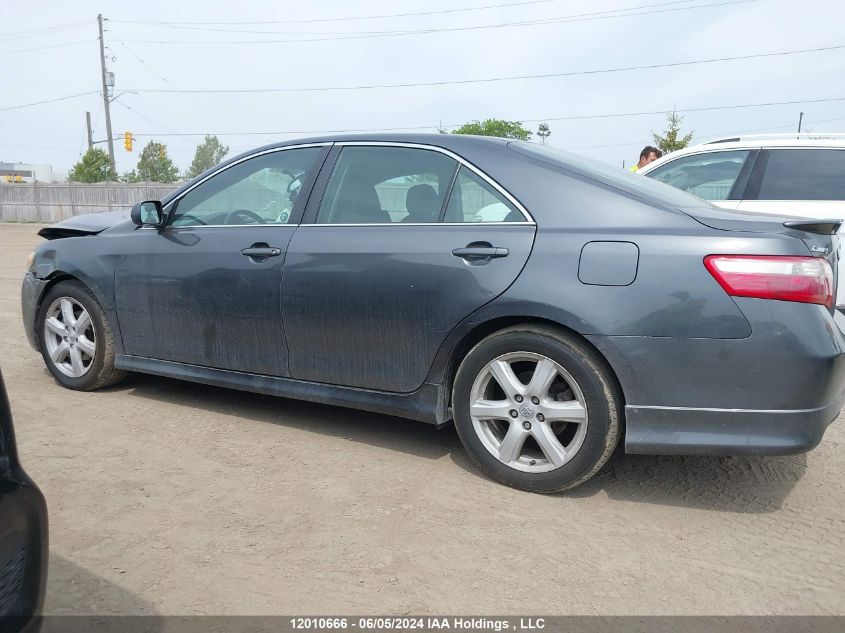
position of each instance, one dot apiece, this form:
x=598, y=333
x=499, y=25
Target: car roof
x=758, y=141
x=447, y=141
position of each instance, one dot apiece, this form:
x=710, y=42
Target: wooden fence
x=40, y=202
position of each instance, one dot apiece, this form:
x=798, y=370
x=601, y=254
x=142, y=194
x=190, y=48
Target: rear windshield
x=616, y=177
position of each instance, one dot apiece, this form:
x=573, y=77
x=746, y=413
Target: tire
x=581, y=409
x=94, y=370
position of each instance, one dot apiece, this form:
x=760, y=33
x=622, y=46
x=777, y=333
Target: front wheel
x=537, y=409
x=76, y=339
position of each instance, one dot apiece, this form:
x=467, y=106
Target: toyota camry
x=549, y=306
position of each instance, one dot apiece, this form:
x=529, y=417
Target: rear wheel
x=537, y=409
x=76, y=339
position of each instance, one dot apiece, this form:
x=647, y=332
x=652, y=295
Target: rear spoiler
x=822, y=227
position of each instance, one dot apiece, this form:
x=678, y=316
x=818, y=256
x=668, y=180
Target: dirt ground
x=167, y=497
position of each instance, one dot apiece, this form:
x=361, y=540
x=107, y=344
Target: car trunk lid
x=819, y=235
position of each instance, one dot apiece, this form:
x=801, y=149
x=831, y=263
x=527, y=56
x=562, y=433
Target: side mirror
x=148, y=213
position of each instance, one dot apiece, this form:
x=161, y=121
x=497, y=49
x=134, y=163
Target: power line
x=490, y=79
x=35, y=103
x=46, y=30
x=169, y=83
x=554, y=118
x=594, y=15
x=360, y=17
x=168, y=131
x=788, y=126
x=355, y=36
x=703, y=109
x=44, y=48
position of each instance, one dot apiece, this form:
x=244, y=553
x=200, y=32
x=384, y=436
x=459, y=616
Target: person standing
x=648, y=155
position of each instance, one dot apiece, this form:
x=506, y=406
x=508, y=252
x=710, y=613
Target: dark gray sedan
x=550, y=306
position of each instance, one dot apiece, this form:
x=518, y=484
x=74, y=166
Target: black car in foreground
x=23, y=535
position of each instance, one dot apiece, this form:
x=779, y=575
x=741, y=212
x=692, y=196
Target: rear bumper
x=682, y=431
x=31, y=292
x=772, y=393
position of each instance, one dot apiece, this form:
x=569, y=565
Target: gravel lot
x=167, y=497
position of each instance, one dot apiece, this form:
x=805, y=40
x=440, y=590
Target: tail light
x=801, y=279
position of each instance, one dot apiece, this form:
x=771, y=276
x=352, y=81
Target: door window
x=474, y=199
x=804, y=174
x=710, y=176
x=261, y=190
x=382, y=185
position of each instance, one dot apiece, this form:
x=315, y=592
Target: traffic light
x=127, y=141
x=161, y=151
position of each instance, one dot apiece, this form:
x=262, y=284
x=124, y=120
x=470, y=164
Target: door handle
x=480, y=252
x=261, y=252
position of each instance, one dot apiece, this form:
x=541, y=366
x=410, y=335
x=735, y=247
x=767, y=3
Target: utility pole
x=90, y=132
x=106, y=94
x=800, y=118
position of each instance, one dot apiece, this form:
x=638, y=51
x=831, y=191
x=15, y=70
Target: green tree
x=155, y=165
x=543, y=132
x=496, y=127
x=209, y=153
x=93, y=167
x=671, y=139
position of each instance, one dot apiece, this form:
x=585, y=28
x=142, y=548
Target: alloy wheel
x=69, y=337
x=528, y=412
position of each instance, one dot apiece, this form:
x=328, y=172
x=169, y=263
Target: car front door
x=404, y=243
x=719, y=176
x=205, y=289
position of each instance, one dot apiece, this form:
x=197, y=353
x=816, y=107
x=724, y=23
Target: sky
x=50, y=51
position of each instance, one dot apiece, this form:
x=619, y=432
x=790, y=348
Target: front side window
x=383, y=185
x=710, y=176
x=261, y=190
x=804, y=174
x=474, y=199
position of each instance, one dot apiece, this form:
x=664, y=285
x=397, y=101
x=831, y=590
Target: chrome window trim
x=423, y=224
x=238, y=162
x=460, y=160
x=225, y=226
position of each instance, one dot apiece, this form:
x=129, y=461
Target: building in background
x=24, y=172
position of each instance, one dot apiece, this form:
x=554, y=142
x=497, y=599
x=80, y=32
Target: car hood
x=89, y=224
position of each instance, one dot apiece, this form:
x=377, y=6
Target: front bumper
x=31, y=292
x=772, y=393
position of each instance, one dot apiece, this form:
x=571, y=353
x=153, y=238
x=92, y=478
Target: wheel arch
x=482, y=330
x=54, y=278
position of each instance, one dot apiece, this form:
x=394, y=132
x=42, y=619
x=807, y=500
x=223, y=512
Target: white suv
x=790, y=174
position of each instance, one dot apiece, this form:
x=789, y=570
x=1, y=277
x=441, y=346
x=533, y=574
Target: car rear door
x=808, y=182
x=206, y=289
x=403, y=244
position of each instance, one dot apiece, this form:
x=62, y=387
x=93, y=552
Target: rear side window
x=383, y=185
x=710, y=176
x=474, y=199
x=804, y=174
